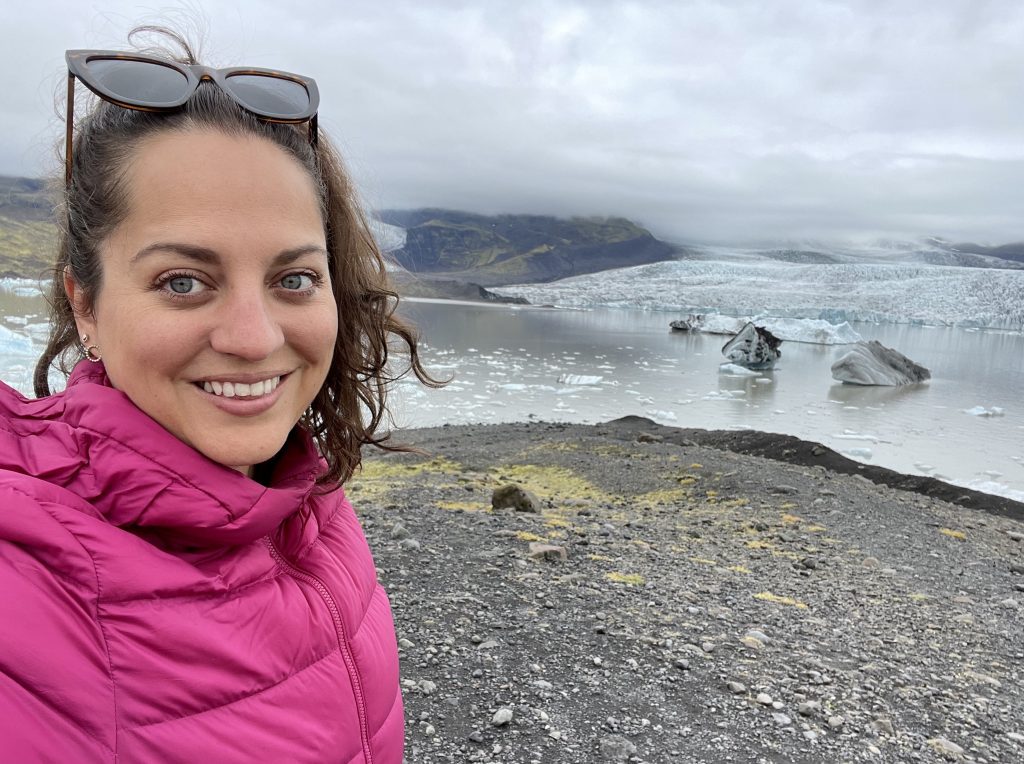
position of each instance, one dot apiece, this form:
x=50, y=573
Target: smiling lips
x=242, y=389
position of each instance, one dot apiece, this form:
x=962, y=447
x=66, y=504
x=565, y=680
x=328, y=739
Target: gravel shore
x=656, y=597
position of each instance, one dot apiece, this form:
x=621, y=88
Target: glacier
x=904, y=293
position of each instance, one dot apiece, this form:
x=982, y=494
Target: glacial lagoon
x=512, y=363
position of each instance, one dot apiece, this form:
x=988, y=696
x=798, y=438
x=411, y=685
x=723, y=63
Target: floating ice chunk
x=763, y=380
x=724, y=395
x=859, y=453
x=990, y=486
x=810, y=330
x=735, y=370
x=14, y=343
x=512, y=387
x=579, y=379
x=667, y=416
x=851, y=435
x=982, y=411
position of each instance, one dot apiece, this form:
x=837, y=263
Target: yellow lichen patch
x=790, y=519
x=703, y=561
x=654, y=498
x=464, y=506
x=712, y=494
x=633, y=579
x=818, y=529
x=556, y=522
x=960, y=535
x=527, y=536
x=557, y=534
x=779, y=600
x=786, y=555
x=787, y=505
x=600, y=558
x=740, y=569
x=919, y=597
x=758, y=544
x=381, y=468
x=552, y=482
x=696, y=466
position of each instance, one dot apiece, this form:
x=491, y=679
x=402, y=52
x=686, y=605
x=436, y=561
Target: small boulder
x=872, y=363
x=514, y=497
x=539, y=551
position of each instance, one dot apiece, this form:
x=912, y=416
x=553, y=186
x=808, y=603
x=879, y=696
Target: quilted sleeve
x=56, y=690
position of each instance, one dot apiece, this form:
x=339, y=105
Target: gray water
x=506, y=362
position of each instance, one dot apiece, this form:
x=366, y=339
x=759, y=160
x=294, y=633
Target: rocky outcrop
x=872, y=363
x=753, y=348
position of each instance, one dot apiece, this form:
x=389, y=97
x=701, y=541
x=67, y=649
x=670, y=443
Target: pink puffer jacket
x=157, y=607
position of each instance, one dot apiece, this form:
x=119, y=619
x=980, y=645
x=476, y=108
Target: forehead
x=215, y=186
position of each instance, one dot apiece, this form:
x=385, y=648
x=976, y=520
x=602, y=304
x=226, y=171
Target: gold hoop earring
x=92, y=352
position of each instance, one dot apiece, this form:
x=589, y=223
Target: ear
x=84, y=319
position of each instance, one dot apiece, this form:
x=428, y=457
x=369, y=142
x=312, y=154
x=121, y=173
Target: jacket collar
x=94, y=442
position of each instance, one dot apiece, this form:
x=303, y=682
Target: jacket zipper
x=339, y=625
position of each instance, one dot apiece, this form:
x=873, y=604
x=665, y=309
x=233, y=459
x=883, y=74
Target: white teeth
x=241, y=389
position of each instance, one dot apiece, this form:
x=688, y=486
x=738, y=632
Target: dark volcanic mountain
x=509, y=249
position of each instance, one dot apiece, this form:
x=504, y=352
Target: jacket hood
x=92, y=441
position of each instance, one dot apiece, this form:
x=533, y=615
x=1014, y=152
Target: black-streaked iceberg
x=872, y=363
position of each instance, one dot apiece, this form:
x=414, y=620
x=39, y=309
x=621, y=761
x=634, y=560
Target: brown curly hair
x=352, y=403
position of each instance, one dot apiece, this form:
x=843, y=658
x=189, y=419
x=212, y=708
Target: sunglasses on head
x=148, y=83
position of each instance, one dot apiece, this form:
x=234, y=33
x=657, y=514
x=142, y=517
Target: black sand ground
x=723, y=597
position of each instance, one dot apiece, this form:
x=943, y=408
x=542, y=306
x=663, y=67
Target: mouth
x=244, y=390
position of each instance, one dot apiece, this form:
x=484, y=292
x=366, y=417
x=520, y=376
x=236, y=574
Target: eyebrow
x=210, y=257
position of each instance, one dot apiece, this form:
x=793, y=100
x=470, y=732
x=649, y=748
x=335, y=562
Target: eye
x=297, y=282
x=182, y=285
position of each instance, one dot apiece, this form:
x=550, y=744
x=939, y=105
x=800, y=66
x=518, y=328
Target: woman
x=182, y=576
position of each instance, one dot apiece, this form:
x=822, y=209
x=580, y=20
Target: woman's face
x=215, y=314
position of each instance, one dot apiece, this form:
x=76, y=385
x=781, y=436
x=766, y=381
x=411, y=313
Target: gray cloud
x=716, y=121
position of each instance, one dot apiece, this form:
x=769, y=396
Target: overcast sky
x=722, y=120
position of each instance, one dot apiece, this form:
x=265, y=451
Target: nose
x=246, y=327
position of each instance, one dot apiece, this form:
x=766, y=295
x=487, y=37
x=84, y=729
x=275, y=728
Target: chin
x=242, y=458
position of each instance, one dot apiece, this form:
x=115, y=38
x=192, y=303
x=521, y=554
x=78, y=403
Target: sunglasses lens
x=140, y=82
x=270, y=96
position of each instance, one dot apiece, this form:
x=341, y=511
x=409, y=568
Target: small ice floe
x=724, y=395
x=579, y=379
x=990, y=486
x=982, y=411
x=14, y=343
x=852, y=435
x=927, y=469
x=859, y=453
x=665, y=416
x=735, y=370
x=763, y=381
